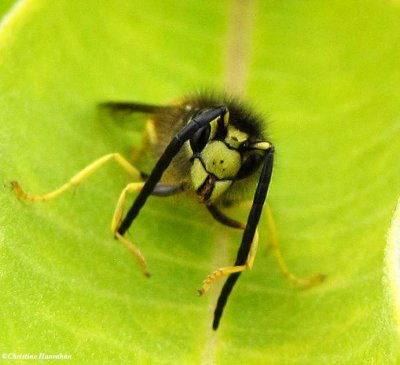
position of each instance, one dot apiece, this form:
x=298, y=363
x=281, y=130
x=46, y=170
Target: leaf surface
x=325, y=73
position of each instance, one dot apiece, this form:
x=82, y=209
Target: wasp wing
x=132, y=107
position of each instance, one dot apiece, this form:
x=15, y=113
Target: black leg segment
x=224, y=219
x=248, y=235
x=167, y=190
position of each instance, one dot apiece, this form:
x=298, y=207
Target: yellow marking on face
x=220, y=160
x=198, y=174
x=219, y=188
x=226, y=118
x=261, y=145
x=214, y=128
x=234, y=137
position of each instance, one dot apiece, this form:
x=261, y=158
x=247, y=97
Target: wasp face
x=221, y=154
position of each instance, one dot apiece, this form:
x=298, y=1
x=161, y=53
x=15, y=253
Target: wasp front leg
x=132, y=188
x=231, y=269
x=116, y=221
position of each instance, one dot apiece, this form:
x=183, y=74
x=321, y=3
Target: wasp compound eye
x=200, y=139
x=249, y=166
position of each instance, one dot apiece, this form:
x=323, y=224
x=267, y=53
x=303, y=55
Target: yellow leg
x=119, y=209
x=131, y=247
x=81, y=176
x=149, y=138
x=116, y=221
x=151, y=132
x=274, y=244
x=78, y=178
x=231, y=269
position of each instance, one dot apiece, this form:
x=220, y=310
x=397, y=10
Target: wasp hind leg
x=274, y=245
x=78, y=178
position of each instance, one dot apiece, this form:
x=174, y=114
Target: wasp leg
x=224, y=219
x=231, y=269
x=78, y=178
x=127, y=107
x=274, y=244
x=149, y=139
x=136, y=187
x=116, y=221
x=168, y=190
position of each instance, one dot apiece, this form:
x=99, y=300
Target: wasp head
x=223, y=153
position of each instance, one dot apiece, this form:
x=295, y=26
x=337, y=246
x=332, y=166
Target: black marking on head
x=240, y=116
x=200, y=139
x=250, y=165
x=221, y=130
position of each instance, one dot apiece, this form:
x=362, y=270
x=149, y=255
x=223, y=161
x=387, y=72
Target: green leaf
x=5, y=6
x=326, y=74
x=392, y=264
